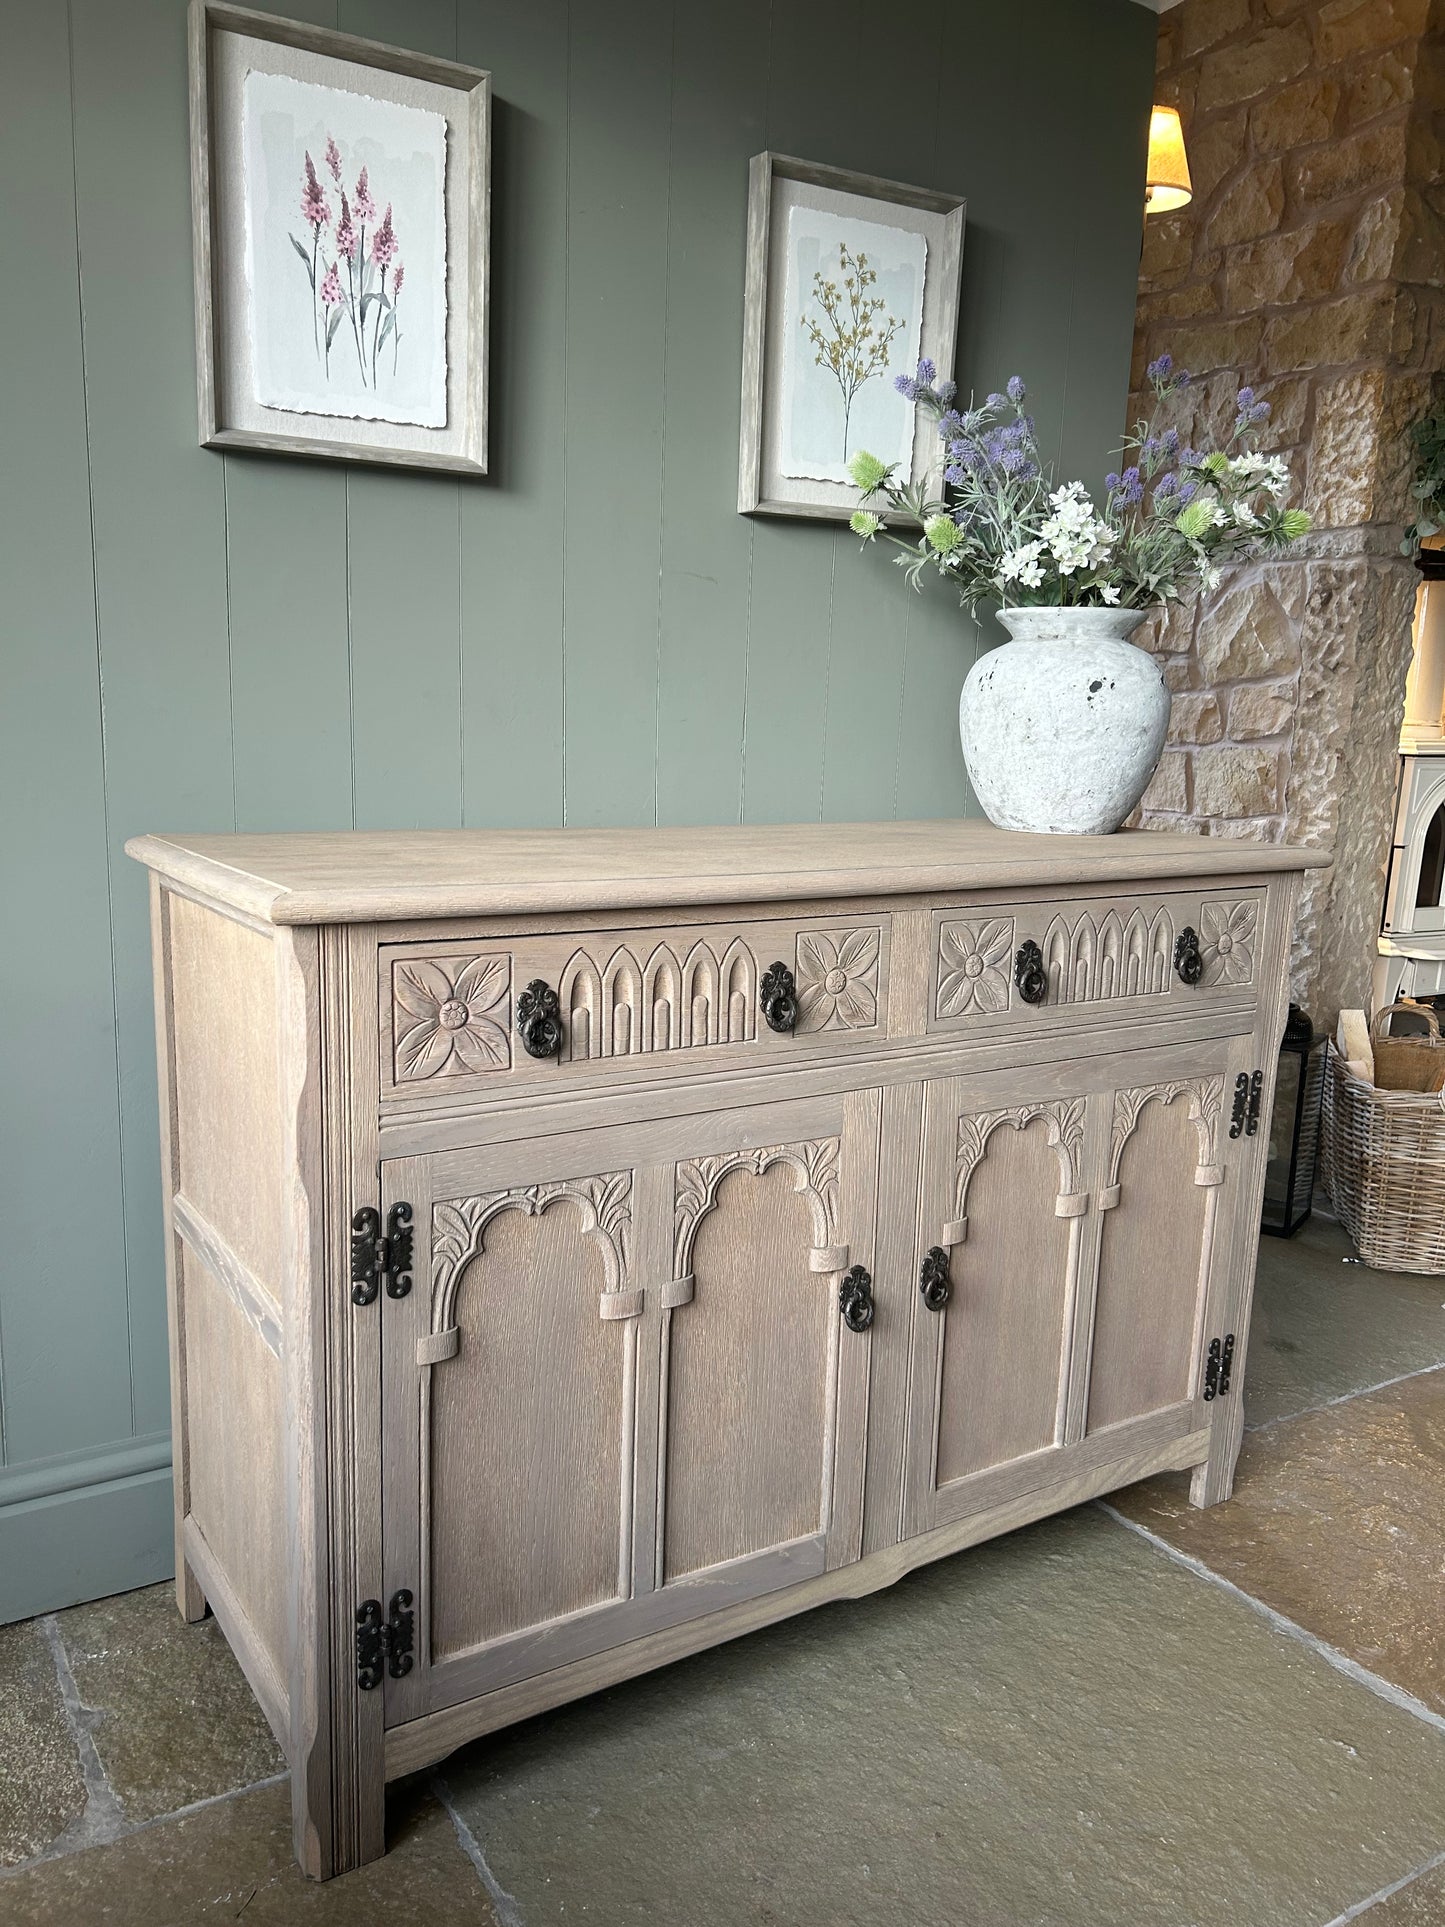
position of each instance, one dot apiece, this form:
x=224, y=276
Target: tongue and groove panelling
x=590, y=635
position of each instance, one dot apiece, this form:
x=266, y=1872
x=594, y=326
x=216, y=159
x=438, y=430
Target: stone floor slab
x=1338, y=1522
x=1420, y=1904
x=1061, y=1729
x=42, y=1789
x=1323, y=1329
x=232, y=1861
x=178, y=1723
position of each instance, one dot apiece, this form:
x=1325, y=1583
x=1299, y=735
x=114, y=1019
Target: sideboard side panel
x=228, y=1149
x=222, y=1170
x=190, y=1598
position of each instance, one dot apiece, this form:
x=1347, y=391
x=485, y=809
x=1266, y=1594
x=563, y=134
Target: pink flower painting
x=352, y=285
x=338, y=188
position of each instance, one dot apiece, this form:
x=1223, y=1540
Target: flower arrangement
x=1001, y=529
x=362, y=297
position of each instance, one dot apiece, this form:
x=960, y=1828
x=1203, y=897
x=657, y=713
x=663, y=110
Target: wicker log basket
x=1383, y=1154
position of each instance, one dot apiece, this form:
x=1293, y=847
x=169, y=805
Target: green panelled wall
x=592, y=635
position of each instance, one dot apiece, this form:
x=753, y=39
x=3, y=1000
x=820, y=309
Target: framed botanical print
x=851, y=281
x=340, y=214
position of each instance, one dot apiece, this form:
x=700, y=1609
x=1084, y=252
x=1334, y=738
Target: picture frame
x=372, y=351
x=825, y=333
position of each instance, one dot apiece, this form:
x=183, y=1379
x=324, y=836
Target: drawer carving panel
x=450, y=1014
x=1119, y=953
x=449, y=1011
x=1228, y=932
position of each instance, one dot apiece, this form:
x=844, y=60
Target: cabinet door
x=1002, y=1206
x=620, y=1393
x=1164, y=1198
x=1079, y=1219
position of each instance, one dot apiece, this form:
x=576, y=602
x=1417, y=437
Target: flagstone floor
x=1134, y=1715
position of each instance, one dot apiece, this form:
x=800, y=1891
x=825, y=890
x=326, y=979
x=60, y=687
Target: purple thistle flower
x=1015, y=389
x=333, y=159
x=1131, y=487
x=926, y=372
x=950, y=425
x=1169, y=442
x=1111, y=481
x=945, y=391
x=906, y=386
x=1166, y=486
x=365, y=206
x=1161, y=369
x=1190, y=458
x=997, y=401
x=1187, y=493
x=954, y=474
x=315, y=207
x=384, y=243
x=1244, y=398
x=1014, y=461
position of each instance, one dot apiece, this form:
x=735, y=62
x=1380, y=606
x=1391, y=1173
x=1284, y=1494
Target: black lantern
x=1294, y=1131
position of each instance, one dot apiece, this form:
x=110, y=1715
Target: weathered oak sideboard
x=587, y=1246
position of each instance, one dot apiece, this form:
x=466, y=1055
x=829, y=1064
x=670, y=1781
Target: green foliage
x=1428, y=488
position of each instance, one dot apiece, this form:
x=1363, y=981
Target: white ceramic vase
x=1062, y=726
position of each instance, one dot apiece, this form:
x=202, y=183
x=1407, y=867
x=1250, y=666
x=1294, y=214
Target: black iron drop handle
x=1029, y=973
x=855, y=1299
x=1188, y=963
x=539, y=1020
x=934, y=1284
x=778, y=998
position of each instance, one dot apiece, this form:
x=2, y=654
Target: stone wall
x=1308, y=265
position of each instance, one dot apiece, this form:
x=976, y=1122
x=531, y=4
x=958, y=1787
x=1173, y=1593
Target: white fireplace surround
x=1412, y=939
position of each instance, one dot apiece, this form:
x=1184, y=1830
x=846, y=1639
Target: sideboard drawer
x=1117, y=955
x=626, y=999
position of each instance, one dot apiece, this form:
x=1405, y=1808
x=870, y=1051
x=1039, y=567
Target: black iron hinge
x=1244, y=1111
x=383, y=1643
x=1218, y=1366
x=378, y=1258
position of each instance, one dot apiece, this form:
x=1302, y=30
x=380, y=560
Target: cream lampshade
x=1167, y=183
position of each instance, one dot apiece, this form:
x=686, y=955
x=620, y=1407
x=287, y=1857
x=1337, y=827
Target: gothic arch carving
x=1205, y=1100
x=1065, y=1125
x=459, y=1228
x=698, y=1181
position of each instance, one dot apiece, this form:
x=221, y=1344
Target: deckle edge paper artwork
x=345, y=234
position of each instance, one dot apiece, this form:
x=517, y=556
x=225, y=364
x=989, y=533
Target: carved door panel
x=1001, y=1239
x=762, y=1383
x=1163, y=1202
x=619, y=1392
x=1074, y=1234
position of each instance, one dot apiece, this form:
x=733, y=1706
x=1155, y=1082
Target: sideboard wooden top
x=359, y=876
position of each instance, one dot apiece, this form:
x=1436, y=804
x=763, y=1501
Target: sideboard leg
x=1213, y=1481
x=339, y=1821
x=189, y=1597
